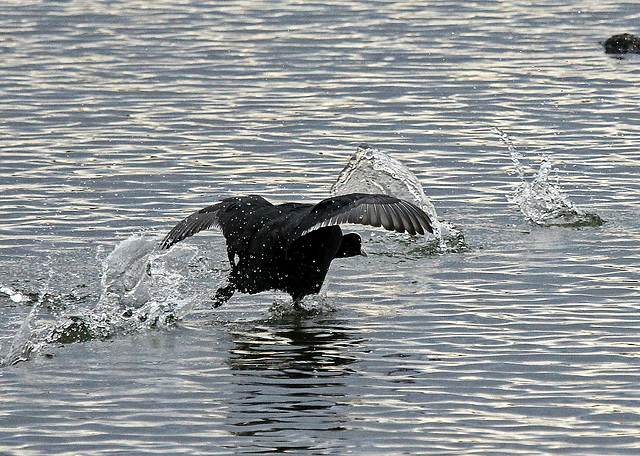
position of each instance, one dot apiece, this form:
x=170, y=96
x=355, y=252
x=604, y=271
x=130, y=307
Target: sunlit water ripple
x=120, y=119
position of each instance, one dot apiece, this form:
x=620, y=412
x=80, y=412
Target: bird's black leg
x=296, y=302
x=223, y=295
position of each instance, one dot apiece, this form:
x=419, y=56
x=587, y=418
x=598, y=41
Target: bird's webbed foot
x=223, y=295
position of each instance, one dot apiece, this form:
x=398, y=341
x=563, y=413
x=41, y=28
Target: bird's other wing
x=221, y=215
x=387, y=211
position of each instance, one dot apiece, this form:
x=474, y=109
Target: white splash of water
x=542, y=200
x=515, y=154
x=26, y=338
x=371, y=171
x=14, y=295
x=140, y=288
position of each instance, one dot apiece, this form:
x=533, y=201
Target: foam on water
x=371, y=171
x=541, y=200
x=140, y=288
x=23, y=342
x=14, y=295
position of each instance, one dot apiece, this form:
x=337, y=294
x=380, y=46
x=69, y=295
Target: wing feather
x=398, y=220
x=387, y=211
x=370, y=216
x=221, y=215
x=198, y=221
x=417, y=221
x=387, y=223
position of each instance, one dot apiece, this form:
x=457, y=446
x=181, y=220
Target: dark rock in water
x=622, y=44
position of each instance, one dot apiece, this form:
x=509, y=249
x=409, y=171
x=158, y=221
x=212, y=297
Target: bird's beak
x=362, y=252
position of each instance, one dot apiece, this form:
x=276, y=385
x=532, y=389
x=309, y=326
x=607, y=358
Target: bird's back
x=252, y=229
x=257, y=244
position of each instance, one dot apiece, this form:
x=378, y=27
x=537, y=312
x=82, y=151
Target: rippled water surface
x=120, y=118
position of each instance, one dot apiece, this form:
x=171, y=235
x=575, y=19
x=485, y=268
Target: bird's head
x=351, y=246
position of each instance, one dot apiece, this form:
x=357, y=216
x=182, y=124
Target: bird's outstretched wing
x=220, y=215
x=387, y=211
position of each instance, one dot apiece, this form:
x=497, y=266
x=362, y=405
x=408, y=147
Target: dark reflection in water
x=290, y=376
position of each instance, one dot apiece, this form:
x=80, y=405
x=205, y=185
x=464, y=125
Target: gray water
x=120, y=118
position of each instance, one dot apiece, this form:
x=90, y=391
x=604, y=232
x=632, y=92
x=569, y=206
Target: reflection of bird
x=290, y=246
x=290, y=349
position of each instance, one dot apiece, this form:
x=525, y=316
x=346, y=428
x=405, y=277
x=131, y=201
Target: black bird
x=290, y=246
